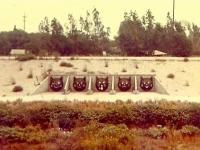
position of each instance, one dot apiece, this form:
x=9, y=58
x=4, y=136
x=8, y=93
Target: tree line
x=88, y=36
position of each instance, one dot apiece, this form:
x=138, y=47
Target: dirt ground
x=185, y=83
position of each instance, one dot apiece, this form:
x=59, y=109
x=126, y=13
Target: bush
x=12, y=81
x=189, y=130
x=124, y=70
x=185, y=59
x=85, y=69
x=157, y=133
x=66, y=64
x=17, y=88
x=106, y=64
x=29, y=134
x=136, y=66
x=25, y=57
x=171, y=76
x=30, y=75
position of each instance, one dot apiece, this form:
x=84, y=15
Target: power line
x=173, y=12
x=24, y=20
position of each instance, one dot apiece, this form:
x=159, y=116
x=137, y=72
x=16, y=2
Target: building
x=159, y=53
x=18, y=52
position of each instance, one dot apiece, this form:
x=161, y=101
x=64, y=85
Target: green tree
x=131, y=34
x=44, y=26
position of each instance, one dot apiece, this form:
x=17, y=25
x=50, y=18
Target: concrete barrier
x=90, y=80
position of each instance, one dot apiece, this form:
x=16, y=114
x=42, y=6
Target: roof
x=18, y=52
x=157, y=52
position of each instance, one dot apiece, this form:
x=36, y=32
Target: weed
x=66, y=64
x=171, y=76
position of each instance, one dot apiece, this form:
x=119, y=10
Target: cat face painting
x=124, y=84
x=101, y=83
x=146, y=83
x=56, y=84
x=79, y=83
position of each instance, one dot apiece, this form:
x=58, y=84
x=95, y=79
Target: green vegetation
x=137, y=36
x=99, y=125
x=66, y=64
x=25, y=57
x=17, y=88
x=171, y=76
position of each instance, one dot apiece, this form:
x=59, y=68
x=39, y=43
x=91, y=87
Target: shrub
x=72, y=58
x=41, y=65
x=136, y=66
x=102, y=136
x=20, y=67
x=189, y=130
x=17, y=88
x=187, y=83
x=66, y=64
x=12, y=81
x=25, y=57
x=56, y=56
x=106, y=64
x=171, y=76
x=85, y=68
x=124, y=70
x=186, y=59
x=156, y=133
x=30, y=75
x=29, y=134
x=160, y=59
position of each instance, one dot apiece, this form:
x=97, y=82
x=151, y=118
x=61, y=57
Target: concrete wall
x=43, y=87
x=91, y=79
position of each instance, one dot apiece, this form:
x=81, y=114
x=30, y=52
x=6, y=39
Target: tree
x=148, y=22
x=44, y=26
x=131, y=34
x=194, y=36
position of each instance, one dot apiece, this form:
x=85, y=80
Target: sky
x=111, y=11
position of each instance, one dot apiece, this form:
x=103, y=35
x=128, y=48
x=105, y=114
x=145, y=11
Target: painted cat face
x=79, y=84
x=146, y=84
x=124, y=84
x=101, y=83
x=56, y=84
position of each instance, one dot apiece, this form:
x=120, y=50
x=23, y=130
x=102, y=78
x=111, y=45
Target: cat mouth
x=101, y=87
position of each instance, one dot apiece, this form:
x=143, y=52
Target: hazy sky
x=111, y=11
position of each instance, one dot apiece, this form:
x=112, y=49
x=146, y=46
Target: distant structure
x=18, y=52
x=159, y=53
x=104, y=53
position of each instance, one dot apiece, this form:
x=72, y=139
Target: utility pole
x=24, y=20
x=173, y=12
